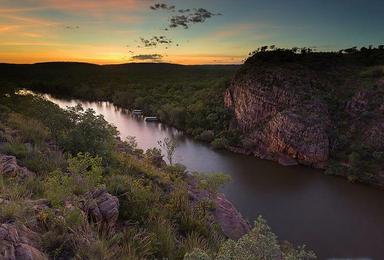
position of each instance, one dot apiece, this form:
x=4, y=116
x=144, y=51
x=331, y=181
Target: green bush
x=220, y=143
x=85, y=174
x=17, y=149
x=206, y=136
x=260, y=243
x=212, y=181
x=89, y=133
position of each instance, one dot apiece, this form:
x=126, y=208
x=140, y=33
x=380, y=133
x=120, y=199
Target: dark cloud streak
x=147, y=57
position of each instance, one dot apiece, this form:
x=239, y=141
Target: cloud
x=155, y=41
x=72, y=27
x=162, y=6
x=185, y=16
x=147, y=57
x=188, y=17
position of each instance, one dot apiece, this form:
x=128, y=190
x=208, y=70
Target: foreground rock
x=17, y=242
x=10, y=168
x=102, y=207
x=231, y=222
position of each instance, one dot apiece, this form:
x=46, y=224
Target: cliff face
x=305, y=112
x=278, y=118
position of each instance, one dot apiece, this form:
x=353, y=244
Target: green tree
x=89, y=133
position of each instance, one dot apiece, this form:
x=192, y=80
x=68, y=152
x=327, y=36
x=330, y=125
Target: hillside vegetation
x=70, y=189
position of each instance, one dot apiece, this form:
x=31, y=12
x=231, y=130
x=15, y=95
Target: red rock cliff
x=278, y=116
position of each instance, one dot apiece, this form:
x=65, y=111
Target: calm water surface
x=333, y=217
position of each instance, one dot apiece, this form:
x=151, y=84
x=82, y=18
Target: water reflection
x=332, y=216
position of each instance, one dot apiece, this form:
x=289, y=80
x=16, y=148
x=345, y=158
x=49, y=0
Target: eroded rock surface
x=231, y=222
x=10, y=168
x=278, y=117
x=102, y=207
x=17, y=242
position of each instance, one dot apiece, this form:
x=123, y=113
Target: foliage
x=197, y=254
x=220, y=143
x=89, y=133
x=85, y=173
x=154, y=156
x=259, y=243
x=212, y=182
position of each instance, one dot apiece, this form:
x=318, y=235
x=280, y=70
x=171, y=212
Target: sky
x=180, y=31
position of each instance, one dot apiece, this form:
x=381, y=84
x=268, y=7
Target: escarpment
x=278, y=118
x=321, y=110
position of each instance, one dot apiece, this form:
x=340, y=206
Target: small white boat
x=151, y=119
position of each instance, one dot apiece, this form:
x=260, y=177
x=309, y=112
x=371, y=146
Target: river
x=335, y=218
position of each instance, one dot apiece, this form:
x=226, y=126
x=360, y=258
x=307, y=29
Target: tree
x=169, y=145
x=89, y=133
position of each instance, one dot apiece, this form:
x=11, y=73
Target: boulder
x=10, y=168
x=225, y=214
x=102, y=207
x=17, y=242
x=231, y=222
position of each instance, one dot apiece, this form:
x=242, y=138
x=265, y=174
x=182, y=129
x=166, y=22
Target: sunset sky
x=221, y=32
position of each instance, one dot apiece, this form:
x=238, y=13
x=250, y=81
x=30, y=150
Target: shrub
x=177, y=170
x=197, y=254
x=85, y=174
x=15, y=148
x=211, y=181
x=220, y=143
x=15, y=211
x=154, y=156
x=192, y=241
x=31, y=130
x=134, y=197
x=206, y=136
x=164, y=237
x=260, y=243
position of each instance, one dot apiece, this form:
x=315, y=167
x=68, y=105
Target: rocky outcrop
x=10, y=168
x=102, y=207
x=278, y=117
x=225, y=214
x=366, y=109
x=232, y=223
x=17, y=242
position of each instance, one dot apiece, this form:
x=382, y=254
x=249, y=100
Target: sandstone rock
x=231, y=222
x=10, y=168
x=366, y=109
x=17, y=242
x=278, y=117
x=102, y=207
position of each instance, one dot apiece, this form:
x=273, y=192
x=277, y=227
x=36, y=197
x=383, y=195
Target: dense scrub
x=76, y=157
